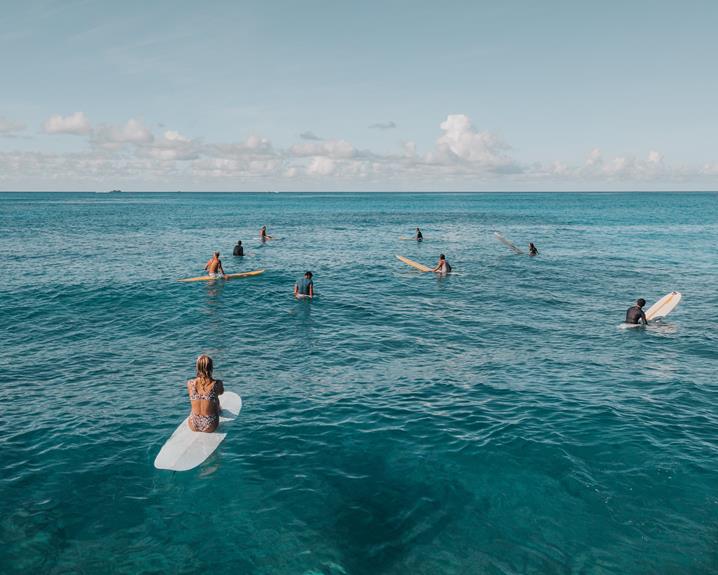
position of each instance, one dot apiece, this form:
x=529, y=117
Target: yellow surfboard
x=229, y=277
x=412, y=263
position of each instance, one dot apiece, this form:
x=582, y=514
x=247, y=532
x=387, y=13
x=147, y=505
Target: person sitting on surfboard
x=263, y=235
x=443, y=266
x=635, y=313
x=238, y=249
x=533, y=250
x=214, y=267
x=304, y=286
x=419, y=236
x=204, y=392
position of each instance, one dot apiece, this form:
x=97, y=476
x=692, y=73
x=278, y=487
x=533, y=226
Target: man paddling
x=214, y=267
x=533, y=250
x=635, y=314
x=238, y=249
x=443, y=266
x=305, y=286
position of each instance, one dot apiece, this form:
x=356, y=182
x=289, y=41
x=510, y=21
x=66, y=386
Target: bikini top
x=194, y=395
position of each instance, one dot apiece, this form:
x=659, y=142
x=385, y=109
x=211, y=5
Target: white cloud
x=172, y=136
x=321, y=166
x=170, y=147
x=594, y=158
x=115, y=137
x=655, y=157
x=461, y=142
x=76, y=124
x=329, y=148
x=10, y=127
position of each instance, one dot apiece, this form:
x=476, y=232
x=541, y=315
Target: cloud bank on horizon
x=462, y=158
x=320, y=96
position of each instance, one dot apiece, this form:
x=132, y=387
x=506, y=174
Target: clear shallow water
x=496, y=421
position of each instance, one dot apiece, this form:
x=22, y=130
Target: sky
x=340, y=95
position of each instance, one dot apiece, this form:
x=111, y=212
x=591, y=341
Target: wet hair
x=641, y=302
x=308, y=274
x=204, y=368
x=216, y=254
x=442, y=257
x=239, y=242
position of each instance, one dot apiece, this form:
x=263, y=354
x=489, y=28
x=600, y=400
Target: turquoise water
x=494, y=421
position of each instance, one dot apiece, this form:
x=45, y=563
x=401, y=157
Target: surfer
x=533, y=250
x=204, y=392
x=263, y=235
x=419, y=236
x=214, y=267
x=443, y=266
x=305, y=286
x=238, y=249
x=635, y=313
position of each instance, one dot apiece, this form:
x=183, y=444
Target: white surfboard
x=507, y=243
x=664, y=306
x=186, y=449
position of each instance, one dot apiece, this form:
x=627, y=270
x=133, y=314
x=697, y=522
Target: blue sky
x=358, y=95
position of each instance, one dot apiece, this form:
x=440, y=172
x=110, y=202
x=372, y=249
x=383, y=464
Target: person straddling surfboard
x=305, y=286
x=214, y=267
x=443, y=266
x=635, y=314
x=204, y=392
x=533, y=250
x=238, y=249
x=263, y=235
x=419, y=237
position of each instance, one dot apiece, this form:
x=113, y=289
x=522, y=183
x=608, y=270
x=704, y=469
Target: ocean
x=491, y=421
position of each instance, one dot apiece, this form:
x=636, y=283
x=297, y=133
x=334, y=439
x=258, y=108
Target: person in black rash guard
x=533, y=250
x=419, y=235
x=238, y=249
x=635, y=313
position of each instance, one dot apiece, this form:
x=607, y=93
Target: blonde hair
x=204, y=368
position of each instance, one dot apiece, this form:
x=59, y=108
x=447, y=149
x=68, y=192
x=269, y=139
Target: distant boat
x=115, y=191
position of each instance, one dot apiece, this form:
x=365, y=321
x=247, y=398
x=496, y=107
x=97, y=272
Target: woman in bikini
x=204, y=395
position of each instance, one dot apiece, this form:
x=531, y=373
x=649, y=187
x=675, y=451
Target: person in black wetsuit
x=238, y=249
x=635, y=313
x=533, y=250
x=419, y=235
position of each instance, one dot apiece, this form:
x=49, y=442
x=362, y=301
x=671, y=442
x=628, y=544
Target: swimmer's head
x=307, y=274
x=204, y=367
x=442, y=257
x=640, y=302
x=216, y=254
x=239, y=242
